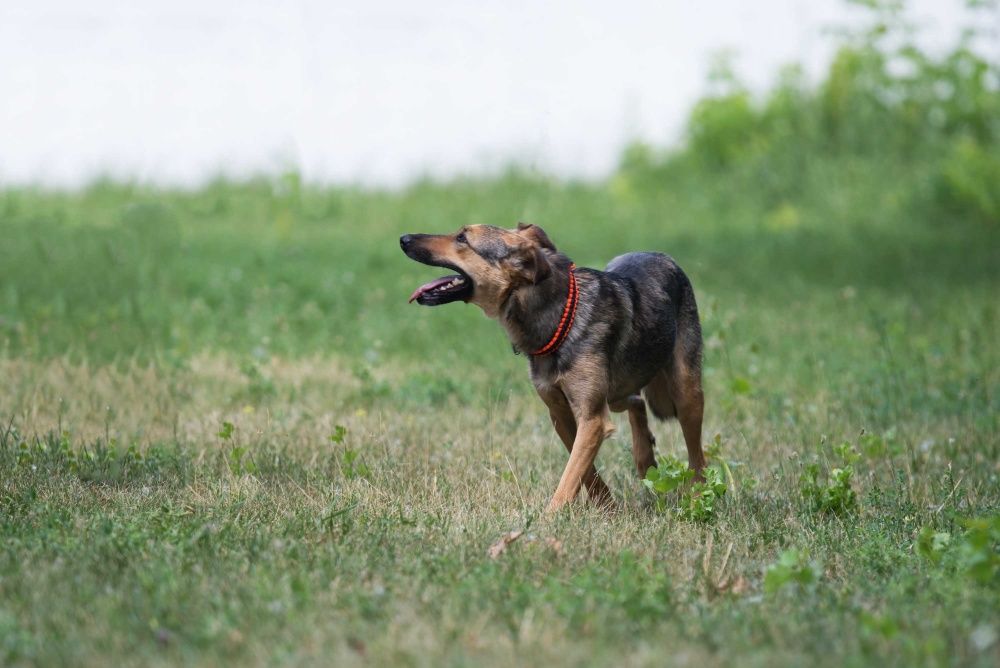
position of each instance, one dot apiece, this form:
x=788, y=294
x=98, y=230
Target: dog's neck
x=531, y=313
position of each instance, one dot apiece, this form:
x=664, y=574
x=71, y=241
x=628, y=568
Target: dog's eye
x=461, y=238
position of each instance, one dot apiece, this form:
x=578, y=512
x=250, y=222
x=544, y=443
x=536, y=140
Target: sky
x=378, y=92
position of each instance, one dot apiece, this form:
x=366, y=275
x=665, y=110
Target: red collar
x=566, y=321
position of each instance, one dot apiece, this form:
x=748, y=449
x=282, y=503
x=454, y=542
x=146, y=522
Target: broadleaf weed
x=831, y=492
x=695, y=502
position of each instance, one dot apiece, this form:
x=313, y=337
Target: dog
x=597, y=341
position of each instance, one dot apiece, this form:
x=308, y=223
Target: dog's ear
x=531, y=264
x=536, y=234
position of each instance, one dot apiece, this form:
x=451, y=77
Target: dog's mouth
x=444, y=290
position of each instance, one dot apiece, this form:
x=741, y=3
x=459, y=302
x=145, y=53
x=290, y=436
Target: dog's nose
x=405, y=240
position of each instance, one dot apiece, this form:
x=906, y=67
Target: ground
x=227, y=436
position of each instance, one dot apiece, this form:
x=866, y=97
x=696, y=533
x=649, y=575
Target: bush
x=969, y=182
x=887, y=121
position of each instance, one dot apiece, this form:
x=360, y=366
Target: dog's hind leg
x=643, y=441
x=565, y=424
x=690, y=411
x=676, y=392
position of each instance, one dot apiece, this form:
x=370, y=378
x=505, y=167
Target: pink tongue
x=427, y=287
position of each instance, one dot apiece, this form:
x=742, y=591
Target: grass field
x=225, y=437
x=378, y=449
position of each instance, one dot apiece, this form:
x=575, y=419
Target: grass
x=377, y=450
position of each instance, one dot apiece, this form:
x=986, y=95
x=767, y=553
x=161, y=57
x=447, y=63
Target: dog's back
x=664, y=318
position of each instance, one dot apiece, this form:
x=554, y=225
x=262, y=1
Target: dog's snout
x=405, y=240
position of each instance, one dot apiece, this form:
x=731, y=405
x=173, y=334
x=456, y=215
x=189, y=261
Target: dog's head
x=491, y=263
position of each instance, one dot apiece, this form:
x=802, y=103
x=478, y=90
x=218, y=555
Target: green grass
x=133, y=527
x=225, y=436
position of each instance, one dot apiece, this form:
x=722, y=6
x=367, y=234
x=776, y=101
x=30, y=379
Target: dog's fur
x=636, y=330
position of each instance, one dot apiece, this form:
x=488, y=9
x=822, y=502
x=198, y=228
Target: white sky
x=176, y=91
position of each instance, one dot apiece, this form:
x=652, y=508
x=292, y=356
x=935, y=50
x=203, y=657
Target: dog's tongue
x=427, y=287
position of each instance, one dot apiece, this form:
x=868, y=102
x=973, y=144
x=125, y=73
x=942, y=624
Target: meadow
x=226, y=437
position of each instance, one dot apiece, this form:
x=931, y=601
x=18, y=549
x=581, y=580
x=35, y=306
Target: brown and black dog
x=597, y=340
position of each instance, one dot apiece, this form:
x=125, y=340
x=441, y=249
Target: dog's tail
x=689, y=340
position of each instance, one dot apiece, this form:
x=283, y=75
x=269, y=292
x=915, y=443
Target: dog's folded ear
x=531, y=263
x=536, y=234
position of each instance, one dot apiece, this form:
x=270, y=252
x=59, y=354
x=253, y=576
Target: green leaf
x=792, y=566
x=932, y=544
x=339, y=434
x=740, y=385
x=227, y=431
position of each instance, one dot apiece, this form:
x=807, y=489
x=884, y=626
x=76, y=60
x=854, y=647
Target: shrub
x=969, y=180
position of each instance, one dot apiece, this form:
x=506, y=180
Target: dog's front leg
x=591, y=429
x=565, y=425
